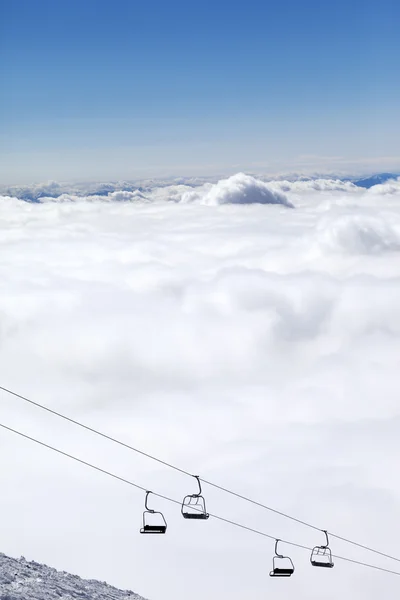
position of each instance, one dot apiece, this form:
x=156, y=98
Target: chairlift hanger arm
x=276, y=549
x=327, y=539
x=150, y=510
x=198, y=481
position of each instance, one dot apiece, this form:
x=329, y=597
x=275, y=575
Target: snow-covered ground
x=245, y=330
x=28, y=580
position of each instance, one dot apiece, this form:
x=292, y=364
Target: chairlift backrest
x=321, y=556
x=158, y=526
x=282, y=566
x=194, y=505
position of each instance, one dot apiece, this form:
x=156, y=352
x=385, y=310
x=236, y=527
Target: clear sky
x=121, y=88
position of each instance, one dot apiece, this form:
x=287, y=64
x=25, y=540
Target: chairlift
x=282, y=566
x=194, y=505
x=321, y=556
x=149, y=526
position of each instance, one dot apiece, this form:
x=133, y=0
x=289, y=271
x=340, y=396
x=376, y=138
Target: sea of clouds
x=243, y=329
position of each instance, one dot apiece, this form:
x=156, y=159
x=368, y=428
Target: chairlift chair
x=148, y=527
x=194, y=505
x=321, y=556
x=282, y=566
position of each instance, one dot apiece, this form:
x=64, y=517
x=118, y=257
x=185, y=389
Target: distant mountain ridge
x=23, y=580
x=368, y=182
x=36, y=192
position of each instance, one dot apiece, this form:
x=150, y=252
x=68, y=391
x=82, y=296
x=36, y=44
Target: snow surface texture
x=23, y=580
x=255, y=344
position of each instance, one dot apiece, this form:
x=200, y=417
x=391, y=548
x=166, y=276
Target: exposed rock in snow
x=23, y=580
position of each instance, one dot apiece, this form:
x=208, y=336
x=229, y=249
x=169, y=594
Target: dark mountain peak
x=368, y=182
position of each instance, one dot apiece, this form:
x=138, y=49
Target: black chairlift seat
x=187, y=515
x=200, y=515
x=153, y=529
x=282, y=566
x=194, y=505
x=160, y=527
x=321, y=556
x=281, y=572
x=317, y=563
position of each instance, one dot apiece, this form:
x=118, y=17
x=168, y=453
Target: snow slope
x=20, y=579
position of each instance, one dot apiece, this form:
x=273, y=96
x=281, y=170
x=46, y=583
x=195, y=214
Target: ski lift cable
x=184, y=472
x=343, y=539
x=174, y=501
x=218, y=517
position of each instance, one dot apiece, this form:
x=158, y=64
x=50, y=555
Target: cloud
x=390, y=187
x=358, y=234
x=238, y=189
x=317, y=185
x=114, y=196
x=255, y=345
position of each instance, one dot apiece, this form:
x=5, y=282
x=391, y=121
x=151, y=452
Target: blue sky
x=119, y=89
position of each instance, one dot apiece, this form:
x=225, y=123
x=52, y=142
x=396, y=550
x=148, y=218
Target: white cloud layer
x=214, y=327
